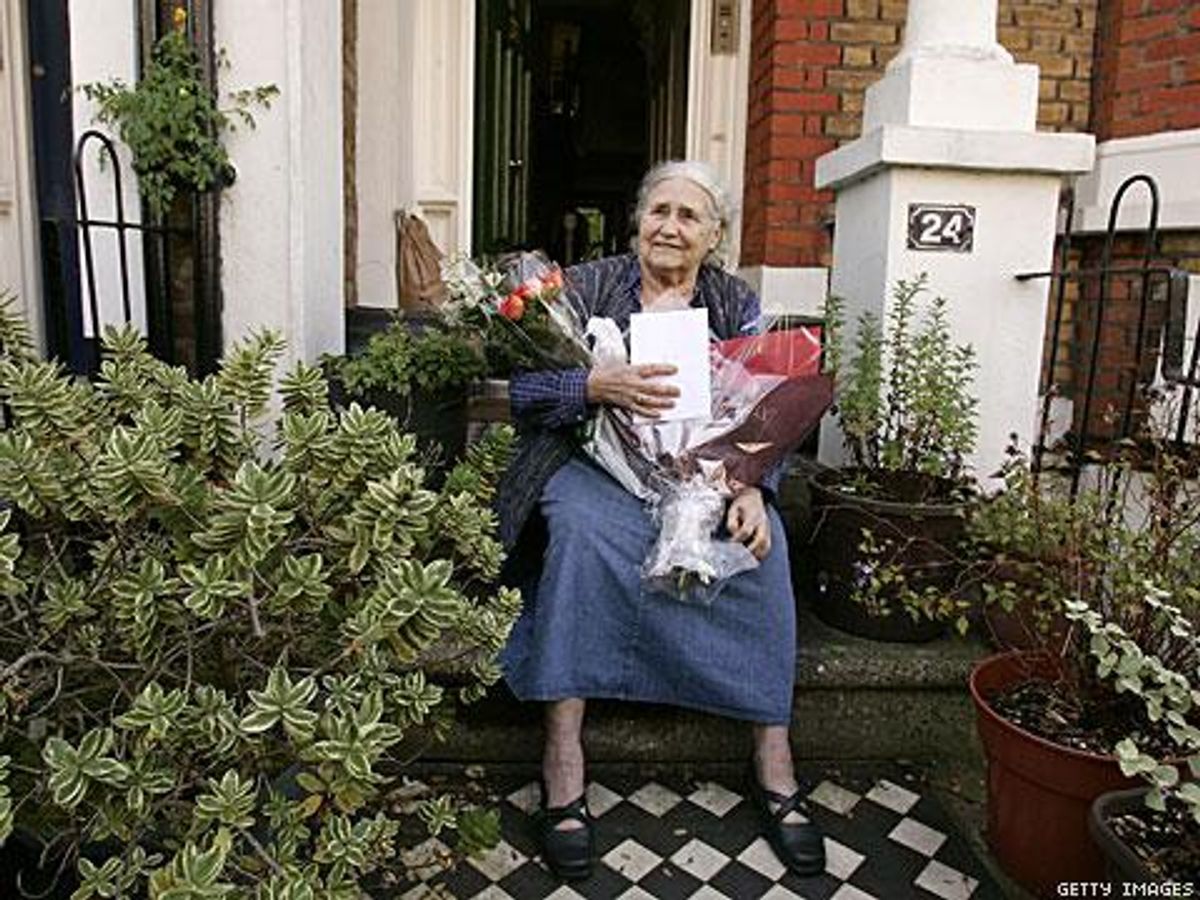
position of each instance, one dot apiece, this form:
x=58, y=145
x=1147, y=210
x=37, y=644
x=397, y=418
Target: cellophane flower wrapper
x=767, y=397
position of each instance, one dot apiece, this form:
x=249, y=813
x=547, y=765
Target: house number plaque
x=941, y=226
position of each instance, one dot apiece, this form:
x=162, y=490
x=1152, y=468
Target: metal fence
x=1128, y=323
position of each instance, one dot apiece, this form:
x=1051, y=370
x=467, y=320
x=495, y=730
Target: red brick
x=1137, y=31
x=796, y=101
x=813, y=9
x=1186, y=47
x=1173, y=99
x=789, y=30
x=798, y=148
x=1139, y=77
x=799, y=53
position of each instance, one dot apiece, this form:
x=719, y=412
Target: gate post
x=951, y=178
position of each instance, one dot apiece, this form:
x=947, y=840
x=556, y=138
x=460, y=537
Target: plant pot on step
x=923, y=539
x=1038, y=793
x=1027, y=624
x=1142, y=846
x=1123, y=865
x=438, y=419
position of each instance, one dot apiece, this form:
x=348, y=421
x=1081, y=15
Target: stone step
x=855, y=699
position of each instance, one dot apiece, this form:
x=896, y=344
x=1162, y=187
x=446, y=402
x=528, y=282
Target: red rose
x=512, y=307
x=524, y=290
x=553, y=279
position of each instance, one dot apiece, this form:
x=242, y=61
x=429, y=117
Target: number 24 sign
x=941, y=226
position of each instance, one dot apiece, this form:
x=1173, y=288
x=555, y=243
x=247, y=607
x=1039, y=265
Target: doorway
x=574, y=99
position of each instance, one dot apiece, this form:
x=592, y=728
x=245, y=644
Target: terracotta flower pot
x=1039, y=794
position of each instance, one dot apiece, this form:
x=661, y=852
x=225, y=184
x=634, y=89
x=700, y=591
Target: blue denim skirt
x=590, y=628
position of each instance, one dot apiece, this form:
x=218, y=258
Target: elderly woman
x=589, y=627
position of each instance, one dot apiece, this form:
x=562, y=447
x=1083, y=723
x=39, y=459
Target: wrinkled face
x=678, y=227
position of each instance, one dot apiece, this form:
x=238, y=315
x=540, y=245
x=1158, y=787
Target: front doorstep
x=855, y=699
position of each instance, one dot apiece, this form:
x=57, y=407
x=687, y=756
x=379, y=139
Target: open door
x=502, y=125
x=574, y=100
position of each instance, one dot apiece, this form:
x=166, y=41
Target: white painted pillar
x=951, y=27
x=952, y=125
x=416, y=85
x=281, y=222
x=718, y=87
x=19, y=270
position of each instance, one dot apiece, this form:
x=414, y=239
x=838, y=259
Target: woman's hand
x=748, y=523
x=633, y=387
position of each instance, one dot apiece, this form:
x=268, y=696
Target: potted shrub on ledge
x=1114, y=692
x=420, y=372
x=887, y=527
x=222, y=640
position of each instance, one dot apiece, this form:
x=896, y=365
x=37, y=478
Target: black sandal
x=567, y=852
x=800, y=846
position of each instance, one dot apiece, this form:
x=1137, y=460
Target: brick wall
x=811, y=63
x=789, y=99
x=1148, y=75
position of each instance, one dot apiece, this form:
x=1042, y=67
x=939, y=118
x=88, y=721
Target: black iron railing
x=1156, y=288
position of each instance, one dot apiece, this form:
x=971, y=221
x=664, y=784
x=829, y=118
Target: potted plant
x=886, y=527
x=172, y=121
x=1112, y=694
x=224, y=636
x=419, y=371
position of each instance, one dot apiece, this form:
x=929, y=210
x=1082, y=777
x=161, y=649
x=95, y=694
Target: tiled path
x=668, y=836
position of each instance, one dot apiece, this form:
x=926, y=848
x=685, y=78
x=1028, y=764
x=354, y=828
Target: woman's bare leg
x=562, y=756
x=773, y=762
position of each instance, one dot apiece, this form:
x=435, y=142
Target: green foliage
x=172, y=122
x=908, y=421
x=226, y=633
x=1109, y=580
x=438, y=358
x=904, y=400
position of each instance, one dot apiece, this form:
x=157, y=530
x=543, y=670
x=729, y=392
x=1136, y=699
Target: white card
x=680, y=338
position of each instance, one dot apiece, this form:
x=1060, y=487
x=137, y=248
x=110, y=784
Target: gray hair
x=704, y=177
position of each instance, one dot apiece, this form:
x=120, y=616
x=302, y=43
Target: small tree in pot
x=220, y=648
x=887, y=527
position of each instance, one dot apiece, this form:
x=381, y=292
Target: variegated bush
x=229, y=624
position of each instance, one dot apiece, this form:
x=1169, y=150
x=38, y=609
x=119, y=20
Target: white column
x=952, y=124
x=949, y=28
x=19, y=271
x=416, y=80
x=281, y=222
x=718, y=86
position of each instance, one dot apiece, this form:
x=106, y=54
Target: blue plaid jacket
x=547, y=405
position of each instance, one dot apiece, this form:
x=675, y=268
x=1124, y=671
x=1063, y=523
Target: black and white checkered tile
x=670, y=838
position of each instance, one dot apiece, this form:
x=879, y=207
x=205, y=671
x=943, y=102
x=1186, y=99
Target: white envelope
x=678, y=337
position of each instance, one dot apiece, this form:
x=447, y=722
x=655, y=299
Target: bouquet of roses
x=767, y=397
x=520, y=307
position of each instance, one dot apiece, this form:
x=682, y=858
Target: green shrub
x=224, y=635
